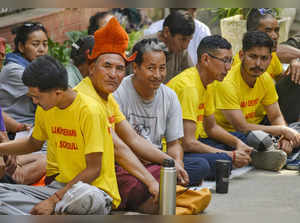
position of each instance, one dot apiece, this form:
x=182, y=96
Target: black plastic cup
x=223, y=169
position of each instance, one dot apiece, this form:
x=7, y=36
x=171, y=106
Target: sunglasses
x=265, y=11
x=29, y=25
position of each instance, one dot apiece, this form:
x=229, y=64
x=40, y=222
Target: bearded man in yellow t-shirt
x=247, y=93
x=287, y=82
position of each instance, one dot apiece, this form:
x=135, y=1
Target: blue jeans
x=208, y=158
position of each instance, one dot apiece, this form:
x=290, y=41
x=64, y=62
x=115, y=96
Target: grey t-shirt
x=13, y=94
x=155, y=119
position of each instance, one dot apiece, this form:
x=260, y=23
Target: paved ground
x=259, y=192
x=256, y=193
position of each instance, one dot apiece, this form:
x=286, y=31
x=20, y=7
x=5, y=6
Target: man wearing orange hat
x=107, y=68
x=2, y=51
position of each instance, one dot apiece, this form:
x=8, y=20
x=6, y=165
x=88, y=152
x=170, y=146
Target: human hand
x=244, y=147
x=285, y=145
x=294, y=71
x=182, y=176
x=23, y=127
x=240, y=158
x=153, y=188
x=11, y=164
x=290, y=134
x=19, y=175
x=45, y=207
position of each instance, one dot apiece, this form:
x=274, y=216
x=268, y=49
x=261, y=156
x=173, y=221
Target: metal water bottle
x=167, y=188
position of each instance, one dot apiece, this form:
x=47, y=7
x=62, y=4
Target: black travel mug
x=223, y=169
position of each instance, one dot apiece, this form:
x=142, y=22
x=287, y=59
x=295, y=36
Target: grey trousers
x=81, y=198
x=17, y=199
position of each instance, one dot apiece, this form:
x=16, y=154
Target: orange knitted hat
x=2, y=45
x=111, y=38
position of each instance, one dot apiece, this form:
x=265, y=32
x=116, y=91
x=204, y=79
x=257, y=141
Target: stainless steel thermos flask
x=167, y=188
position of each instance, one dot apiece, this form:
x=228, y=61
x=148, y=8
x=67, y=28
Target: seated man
x=201, y=31
x=153, y=109
x=178, y=30
x=247, y=93
x=194, y=88
x=287, y=83
x=107, y=68
x=77, y=131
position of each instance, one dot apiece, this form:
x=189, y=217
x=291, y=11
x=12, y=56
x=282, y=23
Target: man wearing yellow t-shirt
x=107, y=68
x=195, y=88
x=287, y=83
x=247, y=93
x=77, y=131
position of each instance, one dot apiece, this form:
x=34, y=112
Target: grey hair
x=148, y=45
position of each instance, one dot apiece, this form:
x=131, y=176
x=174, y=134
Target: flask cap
x=168, y=163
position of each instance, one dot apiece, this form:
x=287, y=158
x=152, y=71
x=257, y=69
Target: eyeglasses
x=265, y=11
x=225, y=61
x=28, y=25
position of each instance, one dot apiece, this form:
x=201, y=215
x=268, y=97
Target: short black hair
x=93, y=22
x=210, y=44
x=256, y=39
x=46, y=73
x=24, y=30
x=78, y=50
x=180, y=22
x=146, y=45
x=255, y=15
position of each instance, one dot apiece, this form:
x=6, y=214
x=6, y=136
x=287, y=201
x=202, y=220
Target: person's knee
x=198, y=169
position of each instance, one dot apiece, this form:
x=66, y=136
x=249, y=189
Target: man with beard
x=287, y=82
x=247, y=94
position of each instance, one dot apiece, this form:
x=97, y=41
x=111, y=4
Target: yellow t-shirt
x=196, y=101
x=234, y=93
x=74, y=132
x=274, y=69
x=111, y=106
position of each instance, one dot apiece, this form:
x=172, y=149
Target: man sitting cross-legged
x=77, y=131
x=203, y=138
x=247, y=93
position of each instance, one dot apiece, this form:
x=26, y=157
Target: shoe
x=294, y=165
x=273, y=159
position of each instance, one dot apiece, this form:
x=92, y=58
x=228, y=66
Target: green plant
x=59, y=51
x=134, y=36
x=8, y=48
x=62, y=51
x=74, y=36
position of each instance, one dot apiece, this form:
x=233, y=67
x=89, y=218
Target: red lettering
x=201, y=106
x=62, y=131
x=200, y=118
x=111, y=119
x=68, y=145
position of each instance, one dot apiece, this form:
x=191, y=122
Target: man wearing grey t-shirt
x=152, y=108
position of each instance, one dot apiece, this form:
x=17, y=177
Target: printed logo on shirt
x=68, y=145
x=201, y=106
x=143, y=125
x=111, y=119
x=200, y=118
x=63, y=131
x=250, y=115
x=249, y=103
